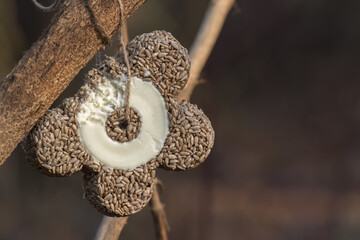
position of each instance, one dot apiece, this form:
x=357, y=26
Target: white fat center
x=149, y=104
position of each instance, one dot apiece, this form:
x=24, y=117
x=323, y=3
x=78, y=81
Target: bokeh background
x=282, y=91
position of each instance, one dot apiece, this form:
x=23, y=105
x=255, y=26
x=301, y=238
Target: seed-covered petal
x=190, y=139
x=53, y=144
x=119, y=192
x=158, y=57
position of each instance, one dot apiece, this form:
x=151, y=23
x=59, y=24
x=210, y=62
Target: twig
x=110, y=228
x=205, y=40
x=77, y=32
x=199, y=53
x=159, y=214
x=126, y=33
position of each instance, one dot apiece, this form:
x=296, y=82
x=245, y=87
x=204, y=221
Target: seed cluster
x=119, y=128
x=120, y=192
x=54, y=147
x=190, y=140
x=158, y=57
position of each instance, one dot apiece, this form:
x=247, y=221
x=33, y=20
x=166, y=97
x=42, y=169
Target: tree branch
x=204, y=42
x=77, y=32
x=159, y=214
x=110, y=228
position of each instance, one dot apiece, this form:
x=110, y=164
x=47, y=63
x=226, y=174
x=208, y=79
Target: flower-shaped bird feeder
x=119, y=152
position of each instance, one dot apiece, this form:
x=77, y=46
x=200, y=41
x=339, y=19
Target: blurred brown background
x=282, y=92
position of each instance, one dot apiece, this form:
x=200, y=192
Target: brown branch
x=110, y=228
x=77, y=32
x=159, y=214
x=204, y=42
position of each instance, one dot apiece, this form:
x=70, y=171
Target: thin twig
x=159, y=214
x=204, y=41
x=110, y=228
x=125, y=32
x=199, y=53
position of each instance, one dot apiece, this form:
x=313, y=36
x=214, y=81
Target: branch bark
x=204, y=42
x=77, y=32
x=110, y=228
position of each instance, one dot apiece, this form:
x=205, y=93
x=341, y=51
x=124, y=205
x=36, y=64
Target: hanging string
x=46, y=8
x=122, y=47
